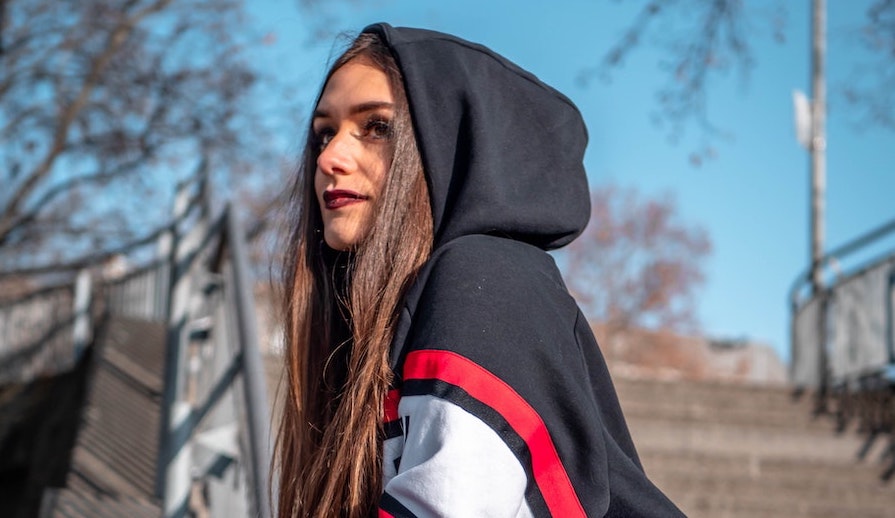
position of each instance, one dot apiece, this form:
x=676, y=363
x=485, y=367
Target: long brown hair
x=328, y=450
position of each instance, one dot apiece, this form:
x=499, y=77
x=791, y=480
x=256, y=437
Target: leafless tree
x=703, y=40
x=104, y=106
x=637, y=265
x=872, y=89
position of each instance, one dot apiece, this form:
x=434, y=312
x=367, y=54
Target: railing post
x=81, y=334
x=173, y=479
x=823, y=363
x=890, y=317
x=163, y=283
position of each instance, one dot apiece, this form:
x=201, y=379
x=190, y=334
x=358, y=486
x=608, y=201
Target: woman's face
x=352, y=129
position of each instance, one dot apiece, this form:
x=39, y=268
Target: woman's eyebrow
x=358, y=108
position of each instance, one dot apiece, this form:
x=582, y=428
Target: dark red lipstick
x=337, y=198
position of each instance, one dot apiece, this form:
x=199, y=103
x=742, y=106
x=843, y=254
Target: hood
x=502, y=151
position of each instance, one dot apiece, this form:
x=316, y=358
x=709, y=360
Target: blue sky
x=752, y=198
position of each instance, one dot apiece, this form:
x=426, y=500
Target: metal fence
x=142, y=293
x=843, y=343
x=845, y=332
x=216, y=419
x=44, y=332
x=807, y=368
x=859, y=313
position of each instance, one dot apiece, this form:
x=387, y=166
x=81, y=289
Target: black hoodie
x=502, y=404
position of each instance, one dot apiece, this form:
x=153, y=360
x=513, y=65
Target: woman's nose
x=337, y=157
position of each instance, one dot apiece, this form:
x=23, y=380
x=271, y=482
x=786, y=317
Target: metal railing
x=844, y=331
x=142, y=293
x=843, y=341
x=215, y=430
x=45, y=332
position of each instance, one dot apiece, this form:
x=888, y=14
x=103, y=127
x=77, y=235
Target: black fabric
x=503, y=158
x=502, y=150
x=394, y=508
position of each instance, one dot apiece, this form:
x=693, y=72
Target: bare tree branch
x=871, y=89
x=67, y=116
x=705, y=39
x=104, y=103
x=637, y=265
x=64, y=187
x=700, y=40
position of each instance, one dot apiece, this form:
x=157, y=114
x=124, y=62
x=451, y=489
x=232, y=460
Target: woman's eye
x=322, y=138
x=378, y=128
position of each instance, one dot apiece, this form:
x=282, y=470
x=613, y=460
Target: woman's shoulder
x=483, y=289
x=499, y=263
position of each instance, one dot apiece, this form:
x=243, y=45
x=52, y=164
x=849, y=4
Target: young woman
x=436, y=364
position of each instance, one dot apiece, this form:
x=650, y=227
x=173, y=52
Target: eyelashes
x=376, y=127
x=322, y=137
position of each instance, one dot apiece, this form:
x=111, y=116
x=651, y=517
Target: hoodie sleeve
x=452, y=464
x=503, y=413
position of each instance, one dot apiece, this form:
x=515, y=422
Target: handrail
x=839, y=252
x=254, y=385
x=194, y=254
x=217, y=248
x=803, y=360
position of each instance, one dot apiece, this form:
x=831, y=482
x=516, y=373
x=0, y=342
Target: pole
x=818, y=186
x=818, y=140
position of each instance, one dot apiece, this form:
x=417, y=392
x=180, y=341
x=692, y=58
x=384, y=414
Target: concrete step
x=117, y=445
x=725, y=450
x=74, y=504
x=741, y=485
x=765, y=395
x=657, y=434
x=715, y=402
x=701, y=503
x=717, y=494
x=852, y=473
x=755, y=478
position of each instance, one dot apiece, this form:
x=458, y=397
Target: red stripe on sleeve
x=549, y=473
x=384, y=514
x=390, y=405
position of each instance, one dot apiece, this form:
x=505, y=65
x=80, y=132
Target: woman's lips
x=337, y=198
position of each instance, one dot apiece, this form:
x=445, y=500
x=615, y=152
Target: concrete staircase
x=113, y=462
x=726, y=450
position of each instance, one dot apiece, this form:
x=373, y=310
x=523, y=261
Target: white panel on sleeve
x=453, y=464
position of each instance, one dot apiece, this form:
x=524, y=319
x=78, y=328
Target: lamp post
x=818, y=143
x=810, y=122
x=810, y=119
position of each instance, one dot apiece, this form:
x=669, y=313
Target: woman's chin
x=338, y=242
